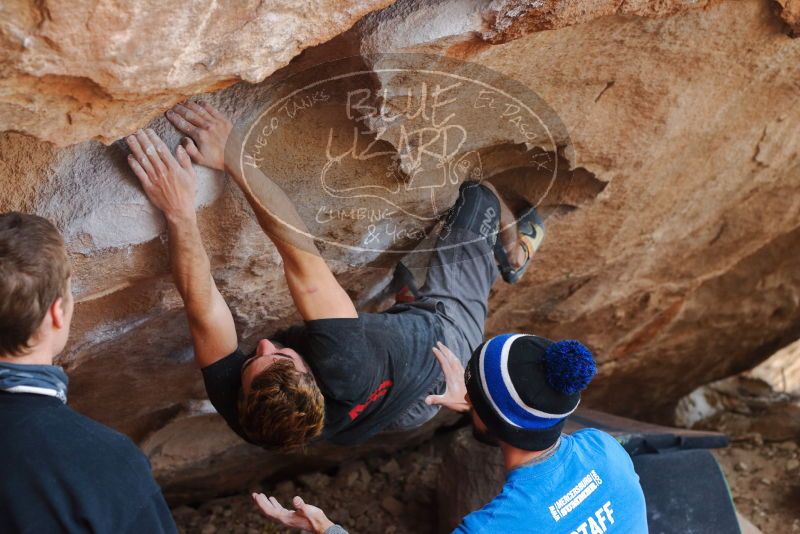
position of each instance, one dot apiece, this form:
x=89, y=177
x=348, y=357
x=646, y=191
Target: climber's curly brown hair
x=284, y=408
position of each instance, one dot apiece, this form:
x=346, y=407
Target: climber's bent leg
x=462, y=267
x=460, y=274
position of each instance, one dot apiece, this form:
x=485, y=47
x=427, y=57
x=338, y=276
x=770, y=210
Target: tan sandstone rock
x=73, y=71
x=510, y=19
x=673, y=220
x=790, y=13
x=658, y=120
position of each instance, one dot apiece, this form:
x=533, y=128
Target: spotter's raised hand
x=454, y=396
x=304, y=516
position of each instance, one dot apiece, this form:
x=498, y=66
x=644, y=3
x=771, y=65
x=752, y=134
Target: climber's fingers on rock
x=199, y=122
x=141, y=158
x=159, y=169
x=154, y=139
x=192, y=150
x=183, y=159
x=163, y=152
x=201, y=111
x=136, y=150
x=213, y=111
x=140, y=173
x=181, y=123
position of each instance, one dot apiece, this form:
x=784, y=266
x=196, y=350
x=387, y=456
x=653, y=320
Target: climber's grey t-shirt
x=370, y=369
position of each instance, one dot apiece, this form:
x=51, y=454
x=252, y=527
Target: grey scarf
x=50, y=380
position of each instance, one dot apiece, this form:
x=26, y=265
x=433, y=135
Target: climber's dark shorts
x=460, y=274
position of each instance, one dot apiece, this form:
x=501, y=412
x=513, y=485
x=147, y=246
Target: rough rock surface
x=790, y=13
x=510, y=19
x=651, y=285
x=742, y=406
x=671, y=244
x=764, y=401
x=388, y=493
x=759, y=410
x=762, y=478
x=73, y=71
x=781, y=371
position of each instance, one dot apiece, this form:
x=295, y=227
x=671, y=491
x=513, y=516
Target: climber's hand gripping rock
x=168, y=181
x=208, y=132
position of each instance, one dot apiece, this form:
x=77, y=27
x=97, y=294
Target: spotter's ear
x=56, y=313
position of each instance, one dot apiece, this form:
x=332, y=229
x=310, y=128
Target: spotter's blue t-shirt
x=588, y=486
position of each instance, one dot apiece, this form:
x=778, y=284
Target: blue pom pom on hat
x=569, y=366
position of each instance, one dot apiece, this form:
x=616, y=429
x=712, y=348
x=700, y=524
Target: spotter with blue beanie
x=520, y=391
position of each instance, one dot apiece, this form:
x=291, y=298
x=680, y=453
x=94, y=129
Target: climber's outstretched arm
x=315, y=290
x=170, y=185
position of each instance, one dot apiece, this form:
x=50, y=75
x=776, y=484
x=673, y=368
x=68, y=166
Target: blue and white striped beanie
x=523, y=387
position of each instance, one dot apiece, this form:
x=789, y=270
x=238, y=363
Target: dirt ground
x=765, y=482
x=398, y=495
x=378, y=494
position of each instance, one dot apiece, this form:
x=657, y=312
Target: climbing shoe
x=531, y=234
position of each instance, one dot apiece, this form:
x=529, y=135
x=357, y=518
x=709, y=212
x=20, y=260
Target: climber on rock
x=342, y=376
x=519, y=390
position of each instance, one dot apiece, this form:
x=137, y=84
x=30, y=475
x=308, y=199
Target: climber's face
x=266, y=354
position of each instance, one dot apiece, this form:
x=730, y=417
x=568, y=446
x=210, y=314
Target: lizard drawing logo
x=426, y=153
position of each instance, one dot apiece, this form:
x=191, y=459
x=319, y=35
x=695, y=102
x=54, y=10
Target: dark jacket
x=63, y=472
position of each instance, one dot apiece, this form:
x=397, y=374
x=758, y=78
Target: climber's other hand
x=167, y=180
x=208, y=132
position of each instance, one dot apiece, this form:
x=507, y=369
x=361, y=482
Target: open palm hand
x=303, y=517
